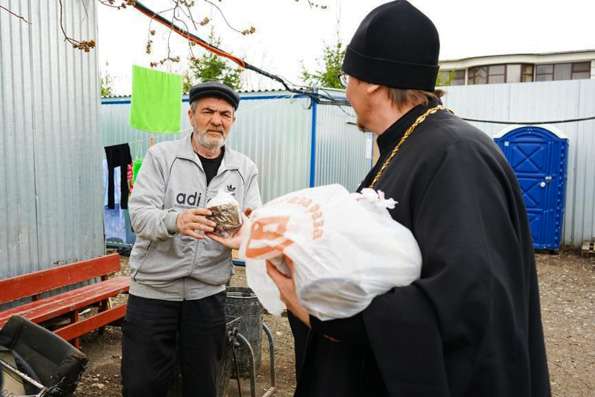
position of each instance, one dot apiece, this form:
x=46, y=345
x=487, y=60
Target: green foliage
x=445, y=78
x=212, y=67
x=105, y=82
x=328, y=77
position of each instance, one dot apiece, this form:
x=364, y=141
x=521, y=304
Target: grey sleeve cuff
x=170, y=221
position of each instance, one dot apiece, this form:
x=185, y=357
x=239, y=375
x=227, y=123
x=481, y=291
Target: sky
x=291, y=34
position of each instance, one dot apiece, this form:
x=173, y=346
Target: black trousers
x=300, y=341
x=160, y=335
x=118, y=156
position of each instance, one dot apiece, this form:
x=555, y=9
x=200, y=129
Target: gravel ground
x=567, y=287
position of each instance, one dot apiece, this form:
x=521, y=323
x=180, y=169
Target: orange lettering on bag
x=268, y=229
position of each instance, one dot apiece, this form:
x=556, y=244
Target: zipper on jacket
x=205, y=193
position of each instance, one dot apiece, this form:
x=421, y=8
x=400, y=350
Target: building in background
x=518, y=68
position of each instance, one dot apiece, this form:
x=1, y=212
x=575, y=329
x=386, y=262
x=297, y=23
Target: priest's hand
x=232, y=242
x=286, y=285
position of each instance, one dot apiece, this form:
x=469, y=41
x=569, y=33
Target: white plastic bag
x=346, y=249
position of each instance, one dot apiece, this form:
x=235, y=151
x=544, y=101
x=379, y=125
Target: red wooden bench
x=68, y=304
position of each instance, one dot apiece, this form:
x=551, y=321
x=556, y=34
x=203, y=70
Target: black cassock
x=471, y=325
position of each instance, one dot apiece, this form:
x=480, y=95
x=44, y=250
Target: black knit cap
x=397, y=46
x=214, y=89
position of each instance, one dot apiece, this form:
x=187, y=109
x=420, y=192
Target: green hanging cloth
x=136, y=164
x=156, y=101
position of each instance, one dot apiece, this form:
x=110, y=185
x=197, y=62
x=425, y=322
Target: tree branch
x=174, y=17
x=14, y=14
x=190, y=43
x=314, y=95
x=243, y=32
x=84, y=45
x=316, y=5
x=111, y=3
x=188, y=13
x=108, y=4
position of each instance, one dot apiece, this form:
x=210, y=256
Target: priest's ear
x=372, y=89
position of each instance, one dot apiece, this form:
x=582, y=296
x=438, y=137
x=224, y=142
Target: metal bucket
x=242, y=302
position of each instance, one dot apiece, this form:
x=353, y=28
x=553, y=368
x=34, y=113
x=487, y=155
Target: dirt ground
x=567, y=287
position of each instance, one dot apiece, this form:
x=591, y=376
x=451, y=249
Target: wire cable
x=530, y=122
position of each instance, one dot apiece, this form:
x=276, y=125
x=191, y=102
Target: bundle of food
x=225, y=212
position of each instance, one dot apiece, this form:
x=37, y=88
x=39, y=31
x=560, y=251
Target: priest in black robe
x=471, y=325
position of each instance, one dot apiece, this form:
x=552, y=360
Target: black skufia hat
x=214, y=89
x=397, y=46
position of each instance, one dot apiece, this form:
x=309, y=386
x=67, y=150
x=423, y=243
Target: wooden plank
x=35, y=283
x=74, y=316
x=52, y=307
x=73, y=331
x=67, y=302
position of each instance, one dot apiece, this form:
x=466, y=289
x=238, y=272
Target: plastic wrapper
x=225, y=212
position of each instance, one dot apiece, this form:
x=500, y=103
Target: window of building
x=478, y=75
x=516, y=73
x=458, y=78
x=563, y=71
x=581, y=70
x=544, y=72
x=493, y=74
x=526, y=73
x=451, y=77
x=496, y=74
x=513, y=73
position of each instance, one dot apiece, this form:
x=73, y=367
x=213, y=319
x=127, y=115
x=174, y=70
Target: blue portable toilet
x=539, y=158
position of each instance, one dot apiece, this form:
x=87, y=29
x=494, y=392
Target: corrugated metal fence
x=545, y=101
x=276, y=130
x=50, y=148
x=343, y=153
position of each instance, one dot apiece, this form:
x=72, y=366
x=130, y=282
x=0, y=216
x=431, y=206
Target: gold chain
x=409, y=131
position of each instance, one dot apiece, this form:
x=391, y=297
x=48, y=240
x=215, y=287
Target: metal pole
x=24, y=376
x=253, y=369
x=313, y=144
x=269, y=335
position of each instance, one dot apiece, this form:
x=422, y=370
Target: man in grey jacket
x=178, y=275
